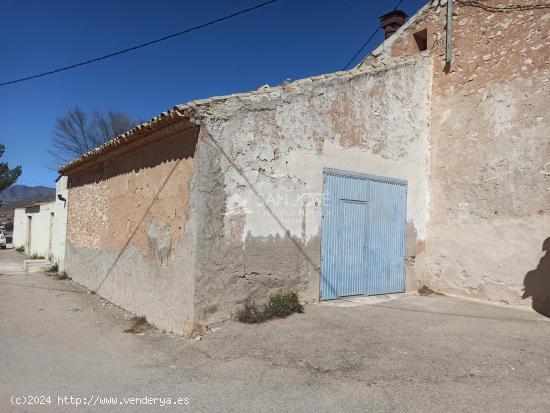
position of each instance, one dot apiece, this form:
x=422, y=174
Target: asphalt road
x=411, y=354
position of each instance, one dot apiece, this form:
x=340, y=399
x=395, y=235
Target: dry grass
x=250, y=313
x=62, y=276
x=425, y=290
x=139, y=325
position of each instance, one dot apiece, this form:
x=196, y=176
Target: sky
x=291, y=39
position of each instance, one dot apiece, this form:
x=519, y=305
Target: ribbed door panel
x=363, y=244
x=386, y=235
x=345, y=216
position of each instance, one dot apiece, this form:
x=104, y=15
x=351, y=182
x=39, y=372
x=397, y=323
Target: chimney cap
x=394, y=13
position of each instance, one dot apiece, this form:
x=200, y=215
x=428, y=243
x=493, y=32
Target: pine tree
x=7, y=176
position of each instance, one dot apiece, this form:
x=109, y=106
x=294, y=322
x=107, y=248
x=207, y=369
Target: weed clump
x=425, y=290
x=54, y=268
x=21, y=248
x=37, y=257
x=62, y=276
x=250, y=313
x=279, y=305
x=139, y=325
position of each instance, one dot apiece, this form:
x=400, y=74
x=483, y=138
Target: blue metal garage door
x=363, y=247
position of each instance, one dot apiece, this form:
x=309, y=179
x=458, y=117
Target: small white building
x=40, y=228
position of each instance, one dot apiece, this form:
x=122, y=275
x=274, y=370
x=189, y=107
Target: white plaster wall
x=299, y=208
x=42, y=229
x=60, y=224
x=40, y=232
x=273, y=147
x=279, y=143
x=19, y=228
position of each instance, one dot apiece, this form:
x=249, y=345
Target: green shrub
x=283, y=304
x=37, y=257
x=279, y=305
x=21, y=248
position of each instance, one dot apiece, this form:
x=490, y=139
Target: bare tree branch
x=79, y=132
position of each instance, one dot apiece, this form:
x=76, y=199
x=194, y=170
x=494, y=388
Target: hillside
x=17, y=196
x=17, y=193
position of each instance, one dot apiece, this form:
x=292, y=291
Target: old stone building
x=398, y=173
x=489, y=168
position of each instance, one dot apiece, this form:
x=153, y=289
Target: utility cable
x=503, y=8
x=350, y=61
x=139, y=46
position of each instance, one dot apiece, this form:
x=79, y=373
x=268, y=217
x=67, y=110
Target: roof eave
x=157, y=123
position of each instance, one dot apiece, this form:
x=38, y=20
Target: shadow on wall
x=133, y=158
x=537, y=283
x=178, y=148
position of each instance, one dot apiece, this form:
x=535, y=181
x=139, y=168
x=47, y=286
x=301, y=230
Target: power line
x=472, y=3
x=361, y=48
x=503, y=8
x=368, y=40
x=139, y=46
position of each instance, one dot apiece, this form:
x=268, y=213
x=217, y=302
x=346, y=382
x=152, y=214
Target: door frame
x=363, y=175
x=50, y=235
x=29, y=234
x=324, y=206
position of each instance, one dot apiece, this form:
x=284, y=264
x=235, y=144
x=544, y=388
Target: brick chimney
x=392, y=21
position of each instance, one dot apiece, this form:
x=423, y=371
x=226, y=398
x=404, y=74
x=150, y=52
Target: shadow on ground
x=537, y=283
x=413, y=353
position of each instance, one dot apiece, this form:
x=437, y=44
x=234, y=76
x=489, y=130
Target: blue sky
x=290, y=39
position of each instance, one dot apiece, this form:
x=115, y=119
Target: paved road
x=412, y=354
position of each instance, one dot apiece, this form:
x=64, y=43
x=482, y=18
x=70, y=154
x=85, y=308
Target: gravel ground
x=409, y=354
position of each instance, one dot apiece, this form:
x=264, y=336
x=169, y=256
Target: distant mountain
x=16, y=193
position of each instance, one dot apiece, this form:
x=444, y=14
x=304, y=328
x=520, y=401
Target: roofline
x=387, y=42
x=180, y=112
x=400, y=12
x=35, y=204
x=163, y=120
x=189, y=111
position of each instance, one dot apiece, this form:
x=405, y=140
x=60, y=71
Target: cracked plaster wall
x=263, y=198
x=490, y=147
x=131, y=229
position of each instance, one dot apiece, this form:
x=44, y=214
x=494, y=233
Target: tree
x=7, y=176
x=79, y=132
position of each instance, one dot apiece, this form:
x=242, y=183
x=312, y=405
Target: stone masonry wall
x=490, y=158
x=131, y=231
